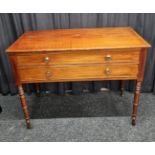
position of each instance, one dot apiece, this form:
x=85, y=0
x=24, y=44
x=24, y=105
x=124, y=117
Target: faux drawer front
x=79, y=72
x=79, y=57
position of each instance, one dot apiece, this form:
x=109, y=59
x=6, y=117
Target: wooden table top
x=78, y=39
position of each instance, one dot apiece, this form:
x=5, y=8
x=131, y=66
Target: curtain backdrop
x=13, y=25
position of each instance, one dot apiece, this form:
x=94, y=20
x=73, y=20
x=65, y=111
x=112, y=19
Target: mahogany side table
x=78, y=55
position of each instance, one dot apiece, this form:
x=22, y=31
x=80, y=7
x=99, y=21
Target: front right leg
x=136, y=102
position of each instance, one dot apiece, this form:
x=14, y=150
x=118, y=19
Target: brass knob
x=108, y=57
x=48, y=74
x=107, y=71
x=46, y=59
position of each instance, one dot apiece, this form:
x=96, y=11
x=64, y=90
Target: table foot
x=28, y=125
x=133, y=122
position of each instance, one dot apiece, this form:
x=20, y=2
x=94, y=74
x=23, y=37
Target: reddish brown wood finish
x=24, y=106
x=78, y=73
x=15, y=69
x=140, y=77
x=78, y=39
x=142, y=60
x=79, y=55
x=136, y=102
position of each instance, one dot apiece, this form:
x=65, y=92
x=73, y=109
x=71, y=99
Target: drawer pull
x=107, y=71
x=46, y=60
x=48, y=74
x=108, y=57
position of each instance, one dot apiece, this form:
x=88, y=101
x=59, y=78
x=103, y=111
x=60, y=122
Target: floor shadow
x=84, y=105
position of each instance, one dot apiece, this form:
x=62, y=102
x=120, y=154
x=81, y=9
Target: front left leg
x=136, y=102
x=24, y=106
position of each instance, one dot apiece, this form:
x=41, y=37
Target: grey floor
x=103, y=116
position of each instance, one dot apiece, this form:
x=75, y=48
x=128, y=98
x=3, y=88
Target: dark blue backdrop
x=13, y=25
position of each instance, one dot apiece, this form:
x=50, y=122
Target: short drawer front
x=78, y=72
x=82, y=57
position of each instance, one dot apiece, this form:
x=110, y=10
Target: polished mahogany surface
x=78, y=39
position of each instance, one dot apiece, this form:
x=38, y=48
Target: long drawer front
x=79, y=57
x=78, y=72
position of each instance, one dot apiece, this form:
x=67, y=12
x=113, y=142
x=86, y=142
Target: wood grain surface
x=73, y=39
x=80, y=57
x=78, y=73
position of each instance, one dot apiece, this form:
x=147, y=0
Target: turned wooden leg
x=37, y=89
x=136, y=102
x=122, y=87
x=24, y=106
